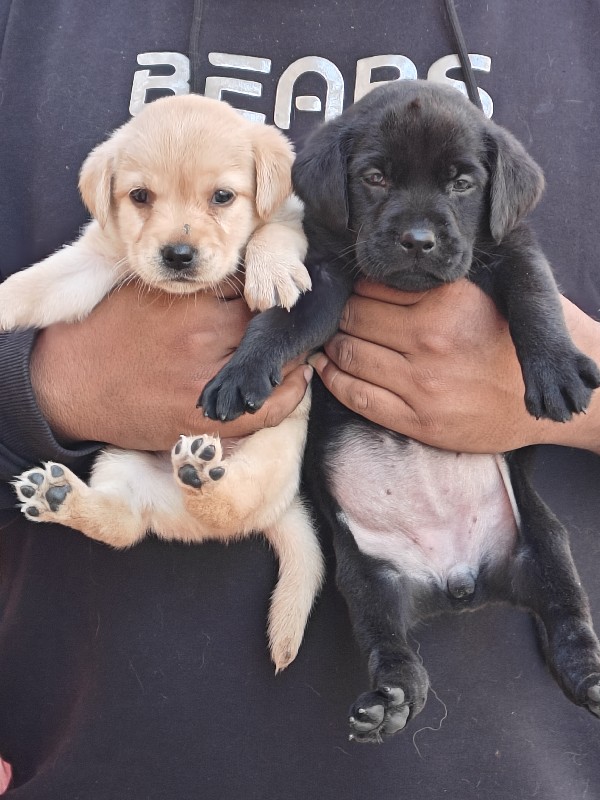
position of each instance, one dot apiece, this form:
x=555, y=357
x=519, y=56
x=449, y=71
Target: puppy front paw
x=559, y=385
x=274, y=282
x=46, y=493
x=198, y=461
x=237, y=389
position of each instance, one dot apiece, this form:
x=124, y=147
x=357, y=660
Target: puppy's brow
x=464, y=165
x=369, y=161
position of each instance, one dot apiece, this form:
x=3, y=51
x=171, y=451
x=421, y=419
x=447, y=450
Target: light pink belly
x=427, y=511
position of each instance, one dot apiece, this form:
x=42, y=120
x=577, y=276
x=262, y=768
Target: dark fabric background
x=145, y=675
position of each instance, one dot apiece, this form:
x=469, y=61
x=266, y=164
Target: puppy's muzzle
x=418, y=241
x=178, y=257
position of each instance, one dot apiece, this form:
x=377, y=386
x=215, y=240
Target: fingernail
x=308, y=373
x=318, y=361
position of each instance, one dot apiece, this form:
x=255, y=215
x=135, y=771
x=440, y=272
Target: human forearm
x=25, y=436
x=131, y=372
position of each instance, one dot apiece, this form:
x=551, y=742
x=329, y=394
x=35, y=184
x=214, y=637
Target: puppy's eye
x=139, y=196
x=461, y=185
x=374, y=179
x=222, y=197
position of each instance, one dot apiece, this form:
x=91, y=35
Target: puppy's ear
x=95, y=180
x=320, y=172
x=273, y=156
x=516, y=183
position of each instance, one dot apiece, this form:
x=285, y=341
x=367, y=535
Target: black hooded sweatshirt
x=144, y=675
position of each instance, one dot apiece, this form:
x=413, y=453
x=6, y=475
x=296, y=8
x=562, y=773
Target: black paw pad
x=208, y=453
x=56, y=471
x=56, y=495
x=216, y=473
x=394, y=694
x=593, y=693
x=36, y=477
x=32, y=511
x=27, y=491
x=189, y=476
x=195, y=445
x=365, y=719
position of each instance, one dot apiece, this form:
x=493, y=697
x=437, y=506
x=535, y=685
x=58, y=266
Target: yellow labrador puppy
x=180, y=196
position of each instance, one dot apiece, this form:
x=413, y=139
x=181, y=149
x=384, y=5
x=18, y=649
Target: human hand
x=130, y=373
x=440, y=367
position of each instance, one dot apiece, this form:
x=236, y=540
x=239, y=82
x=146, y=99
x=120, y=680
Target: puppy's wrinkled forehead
x=187, y=147
x=425, y=135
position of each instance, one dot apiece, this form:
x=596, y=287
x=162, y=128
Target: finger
x=369, y=362
x=296, y=362
x=377, y=291
x=286, y=397
x=378, y=322
x=404, y=326
x=370, y=401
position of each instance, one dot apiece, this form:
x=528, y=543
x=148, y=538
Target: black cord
x=194, y=45
x=463, y=55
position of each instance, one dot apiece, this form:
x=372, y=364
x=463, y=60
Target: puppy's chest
x=422, y=509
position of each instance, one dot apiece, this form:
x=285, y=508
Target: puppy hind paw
x=198, y=461
x=44, y=492
x=591, y=699
x=379, y=714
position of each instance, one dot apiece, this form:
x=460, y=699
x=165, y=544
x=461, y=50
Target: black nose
x=177, y=256
x=419, y=240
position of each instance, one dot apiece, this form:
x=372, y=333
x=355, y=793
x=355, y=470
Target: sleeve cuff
x=26, y=439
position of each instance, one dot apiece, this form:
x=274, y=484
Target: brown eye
x=461, y=185
x=139, y=196
x=374, y=179
x=222, y=197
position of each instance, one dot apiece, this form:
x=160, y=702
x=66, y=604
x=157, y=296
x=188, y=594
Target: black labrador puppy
x=413, y=187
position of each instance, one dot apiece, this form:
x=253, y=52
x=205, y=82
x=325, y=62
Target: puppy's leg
x=251, y=488
x=126, y=493
x=63, y=288
x=545, y=580
x=559, y=378
x=273, y=338
x=301, y=571
x=381, y=606
x=274, y=260
x=255, y=489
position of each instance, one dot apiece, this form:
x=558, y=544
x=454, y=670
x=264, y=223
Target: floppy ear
x=95, y=180
x=273, y=156
x=516, y=182
x=320, y=172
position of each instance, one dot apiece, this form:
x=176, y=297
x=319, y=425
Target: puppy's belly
x=424, y=510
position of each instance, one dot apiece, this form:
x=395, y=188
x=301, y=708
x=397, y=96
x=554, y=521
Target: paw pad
x=197, y=461
x=43, y=492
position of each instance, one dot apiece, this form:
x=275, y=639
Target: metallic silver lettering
x=334, y=97
x=214, y=87
x=365, y=66
x=439, y=69
x=144, y=80
x=231, y=61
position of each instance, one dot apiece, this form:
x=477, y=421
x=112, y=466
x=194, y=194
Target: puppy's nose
x=419, y=240
x=177, y=256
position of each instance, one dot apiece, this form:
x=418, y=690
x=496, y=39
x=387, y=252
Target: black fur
x=414, y=187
